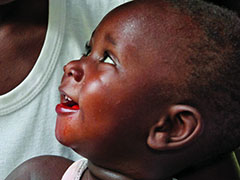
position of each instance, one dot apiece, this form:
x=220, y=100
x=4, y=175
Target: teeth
x=67, y=98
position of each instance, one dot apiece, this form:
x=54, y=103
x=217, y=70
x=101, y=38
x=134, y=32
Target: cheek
x=68, y=128
x=97, y=98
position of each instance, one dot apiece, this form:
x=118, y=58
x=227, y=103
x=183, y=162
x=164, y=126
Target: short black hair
x=208, y=56
x=214, y=81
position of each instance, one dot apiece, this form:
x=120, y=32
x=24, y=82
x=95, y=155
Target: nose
x=74, y=69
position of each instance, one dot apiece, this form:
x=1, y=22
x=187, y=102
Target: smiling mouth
x=68, y=102
x=67, y=105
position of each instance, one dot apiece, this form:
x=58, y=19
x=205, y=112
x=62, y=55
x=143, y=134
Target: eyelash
x=106, y=57
x=87, y=49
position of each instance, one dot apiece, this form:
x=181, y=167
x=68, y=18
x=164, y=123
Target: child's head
x=158, y=88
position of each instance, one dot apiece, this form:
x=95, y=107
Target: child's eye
x=107, y=59
x=87, y=49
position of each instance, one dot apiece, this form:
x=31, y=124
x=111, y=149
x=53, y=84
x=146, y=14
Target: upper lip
x=65, y=97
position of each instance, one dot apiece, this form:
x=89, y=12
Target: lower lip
x=62, y=109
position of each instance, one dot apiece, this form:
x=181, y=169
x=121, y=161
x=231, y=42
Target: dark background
x=230, y=4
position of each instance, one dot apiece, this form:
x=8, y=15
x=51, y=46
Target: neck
x=98, y=173
x=225, y=167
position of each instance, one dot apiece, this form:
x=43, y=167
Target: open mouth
x=67, y=102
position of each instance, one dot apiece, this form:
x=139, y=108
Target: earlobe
x=180, y=125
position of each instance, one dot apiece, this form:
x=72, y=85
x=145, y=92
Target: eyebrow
x=110, y=39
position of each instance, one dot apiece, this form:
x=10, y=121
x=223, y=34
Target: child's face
x=113, y=88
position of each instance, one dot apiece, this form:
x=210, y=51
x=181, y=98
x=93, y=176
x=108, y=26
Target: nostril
x=78, y=77
x=74, y=70
x=76, y=73
x=70, y=73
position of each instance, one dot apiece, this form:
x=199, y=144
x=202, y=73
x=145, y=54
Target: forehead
x=149, y=25
x=151, y=32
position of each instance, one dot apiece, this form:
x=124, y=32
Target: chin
x=62, y=135
x=61, y=138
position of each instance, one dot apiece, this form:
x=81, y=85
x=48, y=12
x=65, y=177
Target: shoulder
x=41, y=168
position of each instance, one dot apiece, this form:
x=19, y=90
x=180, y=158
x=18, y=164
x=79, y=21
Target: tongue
x=76, y=107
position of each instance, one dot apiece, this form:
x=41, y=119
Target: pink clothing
x=76, y=170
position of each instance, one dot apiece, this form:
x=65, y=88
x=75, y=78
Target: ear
x=179, y=126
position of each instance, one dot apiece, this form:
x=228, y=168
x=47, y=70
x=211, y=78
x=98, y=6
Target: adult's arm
x=41, y=168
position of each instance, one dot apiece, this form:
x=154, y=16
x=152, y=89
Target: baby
x=157, y=91
x=156, y=95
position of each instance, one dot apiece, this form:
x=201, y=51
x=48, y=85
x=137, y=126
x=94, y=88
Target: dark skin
x=109, y=110
x=41, y=168
x=94, y=78
x=224, y=167
x=23, y=25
